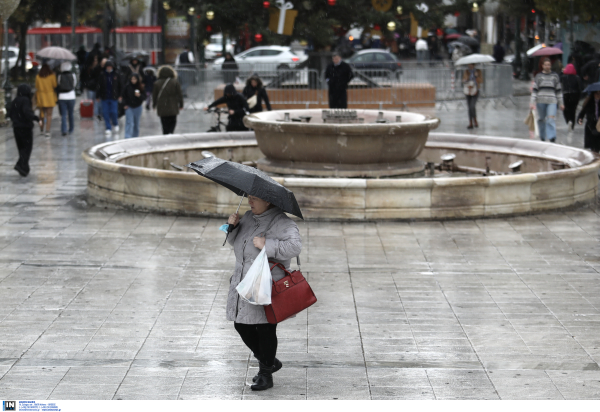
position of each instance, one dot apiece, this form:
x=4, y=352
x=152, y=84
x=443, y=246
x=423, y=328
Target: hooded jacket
x=171, y=97
x=259, y=91
x=236, y=102
x=103, y=84
x=20, y=111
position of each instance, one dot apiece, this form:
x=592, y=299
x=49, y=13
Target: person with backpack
x=22, y=116
x=108, y=90
x=67, y=80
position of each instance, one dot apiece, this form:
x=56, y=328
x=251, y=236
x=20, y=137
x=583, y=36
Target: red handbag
x=289, y=295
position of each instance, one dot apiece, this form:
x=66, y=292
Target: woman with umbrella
x=264, y=226
x=546, y=97
x=472, y=80
x=591, y=111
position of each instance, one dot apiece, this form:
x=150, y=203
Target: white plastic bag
x=255, y=288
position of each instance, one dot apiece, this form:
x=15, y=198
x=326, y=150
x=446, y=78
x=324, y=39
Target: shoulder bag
x=289, y=295
x=252, y=101
x=161, y=89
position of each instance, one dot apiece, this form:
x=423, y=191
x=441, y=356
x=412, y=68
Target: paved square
x=110, y=304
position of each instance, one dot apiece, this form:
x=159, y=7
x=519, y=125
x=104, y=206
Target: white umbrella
x=475, y=58
x=534, y=49
x=57, y=53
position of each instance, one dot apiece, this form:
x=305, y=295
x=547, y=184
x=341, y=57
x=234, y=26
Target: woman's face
x=133, y=80
x=547, y=66
x=254, y=83
x=471, y=66
x=258, y=206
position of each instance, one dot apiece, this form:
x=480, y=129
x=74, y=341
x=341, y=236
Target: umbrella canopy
x=594, y=87
x=547, y=51
x=474, y=59
x=451, y=31
x=453, y=36
x=461, y=46
x=57, y=53
x=242, y=179
x=469, y=41
x=140, y=55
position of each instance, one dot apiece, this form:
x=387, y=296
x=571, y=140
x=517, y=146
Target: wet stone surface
x=110, y=304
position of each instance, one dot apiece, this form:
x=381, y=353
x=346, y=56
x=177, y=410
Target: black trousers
x=24, y=139
x=472, y=105
x=168, y=124
x=338, y=99
x=571, y=102
x=591, y=139
x=261, y=339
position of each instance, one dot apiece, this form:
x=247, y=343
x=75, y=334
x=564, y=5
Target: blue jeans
x=132, y=121
x=66, y=109
x=110, y=111
x=91, y=95
x=547, y=120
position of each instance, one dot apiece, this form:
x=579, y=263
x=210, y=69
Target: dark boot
x=265, y=378
x=475, y=121
x=276, y=366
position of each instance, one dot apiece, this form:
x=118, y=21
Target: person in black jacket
x=133, y=98
x=338, y=74
x=230, y=69
x=108, y=90
x=254, y=87
x=571, y=88
x=22, y=116
x=238, y=108
x=591, y=112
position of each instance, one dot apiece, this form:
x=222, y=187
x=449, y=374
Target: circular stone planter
x=320, y=149
x=136, y=173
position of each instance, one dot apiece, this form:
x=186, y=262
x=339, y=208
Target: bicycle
x=218, y=111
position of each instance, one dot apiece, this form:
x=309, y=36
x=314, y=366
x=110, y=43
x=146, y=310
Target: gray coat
x=282, y=244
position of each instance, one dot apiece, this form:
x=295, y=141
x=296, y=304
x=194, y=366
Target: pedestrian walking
x=167, y=98
x=238, y=108
x=82, y=55
x=546, y=97
x=185, y=58
x=338, y=75
x=421, y=49
x=22, y=116
x=45, y=95
x=93, y=71
x=590, y=70
x=472, y=81
x=591, y=112
x=108, y=92
x=148, y=80
x=67, y=80
x=255, y=94
x=133, y=99
x=499, y=52
x=571, y=87
x=230, y=69
x=135, y=66
x=264, y=226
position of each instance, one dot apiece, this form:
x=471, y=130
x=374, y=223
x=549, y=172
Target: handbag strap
x=161, y=89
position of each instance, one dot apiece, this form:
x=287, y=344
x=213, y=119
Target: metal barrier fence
x=401, y=88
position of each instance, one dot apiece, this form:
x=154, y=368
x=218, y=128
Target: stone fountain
x=341, y=143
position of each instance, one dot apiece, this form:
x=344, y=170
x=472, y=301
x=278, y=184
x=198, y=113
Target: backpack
x=66, y=83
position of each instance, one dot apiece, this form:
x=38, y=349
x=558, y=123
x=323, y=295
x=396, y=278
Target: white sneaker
x=47, y=135
x=107, y=133
x=116, y=128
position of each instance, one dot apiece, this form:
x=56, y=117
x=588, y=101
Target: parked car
x=214, y=49
x=372, y=61
x=265, y=58
x=13, y=55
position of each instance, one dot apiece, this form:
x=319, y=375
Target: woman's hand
x=562, y=107
x=259, y=242
x=532, y=106
x=580, y=121
x=231, y=112
x=234, y=219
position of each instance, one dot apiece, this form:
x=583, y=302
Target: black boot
x=276, y=366
x=265, y=378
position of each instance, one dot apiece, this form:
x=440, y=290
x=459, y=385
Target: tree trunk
x=22, y=59
x=1, y=41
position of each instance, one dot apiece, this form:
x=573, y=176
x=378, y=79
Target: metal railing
x=402, y=88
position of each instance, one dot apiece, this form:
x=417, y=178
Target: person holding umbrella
x=264, y=226
x=546, y=97
x=472, y=80
x=591, y=111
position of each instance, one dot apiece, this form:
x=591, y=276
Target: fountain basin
x=368, y=149
x=136, y=174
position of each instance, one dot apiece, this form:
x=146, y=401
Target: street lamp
x=210, y=15
x=391, y=26
x=399, y=9
x=475, y=8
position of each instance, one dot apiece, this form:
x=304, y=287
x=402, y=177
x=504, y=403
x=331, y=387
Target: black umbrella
x=245, y=180
x=468, y=40
x=594, y=87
